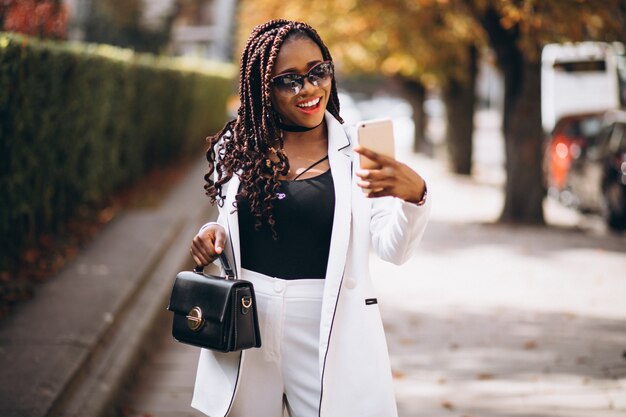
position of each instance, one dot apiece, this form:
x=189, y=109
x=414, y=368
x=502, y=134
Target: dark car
x=592, y=172
x=612, y=159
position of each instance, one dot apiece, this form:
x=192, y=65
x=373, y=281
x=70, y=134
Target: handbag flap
x=208, y=292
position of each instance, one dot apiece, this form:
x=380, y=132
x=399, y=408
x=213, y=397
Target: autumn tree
x=418, y=44
x=41, y=18
x=517, y=30
x=431, y=43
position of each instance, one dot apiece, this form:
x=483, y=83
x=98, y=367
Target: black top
x=304, y=215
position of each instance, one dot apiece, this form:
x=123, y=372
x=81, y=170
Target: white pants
x=284, y=372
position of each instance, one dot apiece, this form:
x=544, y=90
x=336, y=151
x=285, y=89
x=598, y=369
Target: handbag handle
x=225, y=265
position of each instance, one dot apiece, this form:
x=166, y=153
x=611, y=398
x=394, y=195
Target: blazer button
x=350, y=283
x=279, y=287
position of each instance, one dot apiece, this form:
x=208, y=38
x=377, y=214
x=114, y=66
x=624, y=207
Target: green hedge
x=78, y=121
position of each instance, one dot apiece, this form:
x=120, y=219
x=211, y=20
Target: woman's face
x=305, y=108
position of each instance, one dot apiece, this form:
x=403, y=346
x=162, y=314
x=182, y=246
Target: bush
x=79, y=121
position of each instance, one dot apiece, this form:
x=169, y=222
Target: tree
x=517, y=30
x=42, y=18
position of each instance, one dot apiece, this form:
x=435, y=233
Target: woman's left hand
x=390, y=178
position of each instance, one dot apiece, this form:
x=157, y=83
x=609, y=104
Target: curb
x=72, y=350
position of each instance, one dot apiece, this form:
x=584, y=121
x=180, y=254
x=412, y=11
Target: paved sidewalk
x=70, y=351
x=485, y=320
x=503, y=321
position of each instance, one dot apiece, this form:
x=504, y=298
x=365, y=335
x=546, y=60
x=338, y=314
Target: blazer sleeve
x=396, y=227
x=221, y=221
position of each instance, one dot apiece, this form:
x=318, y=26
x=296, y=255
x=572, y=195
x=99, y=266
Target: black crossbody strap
x=310, y=166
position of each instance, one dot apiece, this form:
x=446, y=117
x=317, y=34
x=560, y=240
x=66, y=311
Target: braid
x=241, y=147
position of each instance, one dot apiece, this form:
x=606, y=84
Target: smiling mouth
x=310, y=104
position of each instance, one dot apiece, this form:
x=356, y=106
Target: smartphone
x=376, y=135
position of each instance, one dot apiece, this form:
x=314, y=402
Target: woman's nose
x=307, y=85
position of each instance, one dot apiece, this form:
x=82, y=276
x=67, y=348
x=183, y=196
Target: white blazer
x=353, y=357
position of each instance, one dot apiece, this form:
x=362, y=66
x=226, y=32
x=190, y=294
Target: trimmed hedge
x=78, y=121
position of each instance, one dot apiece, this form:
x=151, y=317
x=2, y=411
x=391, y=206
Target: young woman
x=300, y=218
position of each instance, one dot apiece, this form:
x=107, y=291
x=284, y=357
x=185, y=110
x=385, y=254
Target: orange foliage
x=42, y=18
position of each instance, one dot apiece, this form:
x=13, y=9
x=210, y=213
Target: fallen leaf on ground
x=582, y=360
x=447, y=405
x=529, y=345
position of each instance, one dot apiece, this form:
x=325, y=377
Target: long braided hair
x=243, y=145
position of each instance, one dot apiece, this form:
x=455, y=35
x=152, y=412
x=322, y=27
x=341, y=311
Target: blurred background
x=513, y=110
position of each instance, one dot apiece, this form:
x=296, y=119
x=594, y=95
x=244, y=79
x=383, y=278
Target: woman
x=299, y=219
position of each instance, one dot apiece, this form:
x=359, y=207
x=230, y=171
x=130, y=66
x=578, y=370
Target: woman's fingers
x=376, y=174
x=375, y=179
x=375, y=184
x=200, y=254
x=220, y=240
x=393, y=178
x=208, y=244
x=197, y=260
x=380, y=192
x=379, y=159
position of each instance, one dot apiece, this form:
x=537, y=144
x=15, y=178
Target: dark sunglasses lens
x=322, y=70
x=320, y=74
x=291, y=83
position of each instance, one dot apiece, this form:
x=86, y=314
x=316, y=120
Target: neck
x=297, y=128
x=306, y=138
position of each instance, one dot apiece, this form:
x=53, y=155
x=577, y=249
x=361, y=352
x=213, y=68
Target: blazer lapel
x=233, y=221
x=339, y=156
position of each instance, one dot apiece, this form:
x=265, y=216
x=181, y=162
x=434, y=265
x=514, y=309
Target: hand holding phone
x=381, y=175
x=377, y=136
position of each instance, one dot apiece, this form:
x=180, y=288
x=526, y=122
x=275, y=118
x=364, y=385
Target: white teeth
x=310, y=103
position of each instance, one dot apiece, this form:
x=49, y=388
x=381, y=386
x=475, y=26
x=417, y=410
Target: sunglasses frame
x=301, y=78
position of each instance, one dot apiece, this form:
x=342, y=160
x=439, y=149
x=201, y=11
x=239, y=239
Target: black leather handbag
x=213, y=312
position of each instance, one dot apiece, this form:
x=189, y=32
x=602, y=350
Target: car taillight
x=561, y=150
x=561, y=146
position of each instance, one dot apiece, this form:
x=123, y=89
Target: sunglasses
x=291, y=83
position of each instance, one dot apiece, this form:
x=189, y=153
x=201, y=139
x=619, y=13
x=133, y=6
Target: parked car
x=571, y=135
x=612, y=159
x=586, y=165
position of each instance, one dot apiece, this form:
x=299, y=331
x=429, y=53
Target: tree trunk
x=460, y=98
x=415, y=93
x=523, y=134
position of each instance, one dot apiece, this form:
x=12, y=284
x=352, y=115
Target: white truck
x=579, y=78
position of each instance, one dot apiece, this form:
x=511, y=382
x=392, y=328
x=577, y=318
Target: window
x=581, y=66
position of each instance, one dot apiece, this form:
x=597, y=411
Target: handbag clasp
x=246, y=303
x=195, y=319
